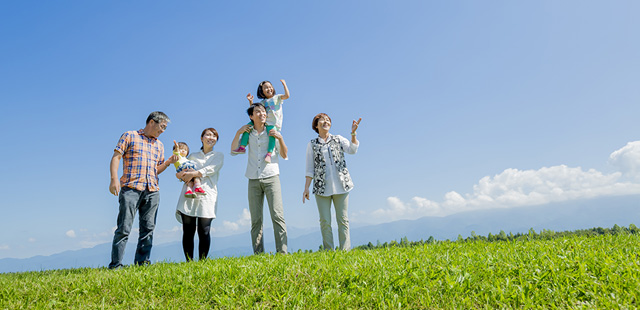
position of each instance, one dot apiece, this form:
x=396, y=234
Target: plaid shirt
x=141, y=155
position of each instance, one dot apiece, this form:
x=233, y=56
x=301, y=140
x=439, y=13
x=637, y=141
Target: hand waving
x=355, y=125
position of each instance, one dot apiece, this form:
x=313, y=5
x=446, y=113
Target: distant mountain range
x=601, y=212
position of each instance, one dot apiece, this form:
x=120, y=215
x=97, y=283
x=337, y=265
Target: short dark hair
x=253, y=106
x=213, y=130
x=182, y=144
x=259, y=92
x=314, y=124
x=157, y=117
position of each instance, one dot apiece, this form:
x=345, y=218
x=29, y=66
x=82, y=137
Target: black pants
x=189, y=225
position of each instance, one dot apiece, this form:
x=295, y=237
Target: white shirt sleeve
x=213, y=165
x=276, y=150
x=348, y=146
x=309, y=171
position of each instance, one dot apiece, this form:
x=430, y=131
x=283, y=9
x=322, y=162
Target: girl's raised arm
x=286, y=90
x=250, y=98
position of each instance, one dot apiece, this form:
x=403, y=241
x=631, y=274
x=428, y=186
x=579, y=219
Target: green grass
x=571, y=272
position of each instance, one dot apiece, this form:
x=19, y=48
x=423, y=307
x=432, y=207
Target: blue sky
x=466, y=105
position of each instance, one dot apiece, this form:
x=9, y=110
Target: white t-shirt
x=274, y=111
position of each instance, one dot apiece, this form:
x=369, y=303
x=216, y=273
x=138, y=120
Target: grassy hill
x=570, y=271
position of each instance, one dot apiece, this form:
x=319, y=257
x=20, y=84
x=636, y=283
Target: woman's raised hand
x=355, y=125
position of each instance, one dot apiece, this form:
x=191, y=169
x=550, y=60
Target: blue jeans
x=132, y=200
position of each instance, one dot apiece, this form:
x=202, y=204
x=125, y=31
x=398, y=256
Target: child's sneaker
x=267, y=159
x=199, y=191
x=239, y=150
x=189, y=194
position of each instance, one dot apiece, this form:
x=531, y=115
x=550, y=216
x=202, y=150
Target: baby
x=194, y=186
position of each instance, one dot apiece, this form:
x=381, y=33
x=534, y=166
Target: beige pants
x=258, y=190
x=341, y=203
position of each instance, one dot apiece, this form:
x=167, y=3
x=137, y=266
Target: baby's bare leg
x=189, y=192
x=198, y=187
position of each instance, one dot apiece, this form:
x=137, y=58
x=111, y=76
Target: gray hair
x=158, y=117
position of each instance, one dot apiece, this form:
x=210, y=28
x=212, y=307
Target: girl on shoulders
x=273, y=105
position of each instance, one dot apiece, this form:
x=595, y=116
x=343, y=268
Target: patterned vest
x=319, y=166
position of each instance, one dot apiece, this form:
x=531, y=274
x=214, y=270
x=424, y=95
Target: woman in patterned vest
x=331, y=180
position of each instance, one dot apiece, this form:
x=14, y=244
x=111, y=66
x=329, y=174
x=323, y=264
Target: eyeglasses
x=162, y=126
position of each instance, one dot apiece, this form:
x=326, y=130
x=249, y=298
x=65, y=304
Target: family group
x=142, y=155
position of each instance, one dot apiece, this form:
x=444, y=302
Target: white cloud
x=31, y=239
x=627, y=160
x=4, y=247
x=516, y=188
x=243, y=222
x=71, y=233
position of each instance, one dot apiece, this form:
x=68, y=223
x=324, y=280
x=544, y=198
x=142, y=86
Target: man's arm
x=161, y=167
x=114, y=184
x=236, y=139
x=282, y=147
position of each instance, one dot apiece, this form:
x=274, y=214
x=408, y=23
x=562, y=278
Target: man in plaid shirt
x=142, y=156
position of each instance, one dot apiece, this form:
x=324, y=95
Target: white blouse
x=257, y=168
x=333, y=185
x=205, y=206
